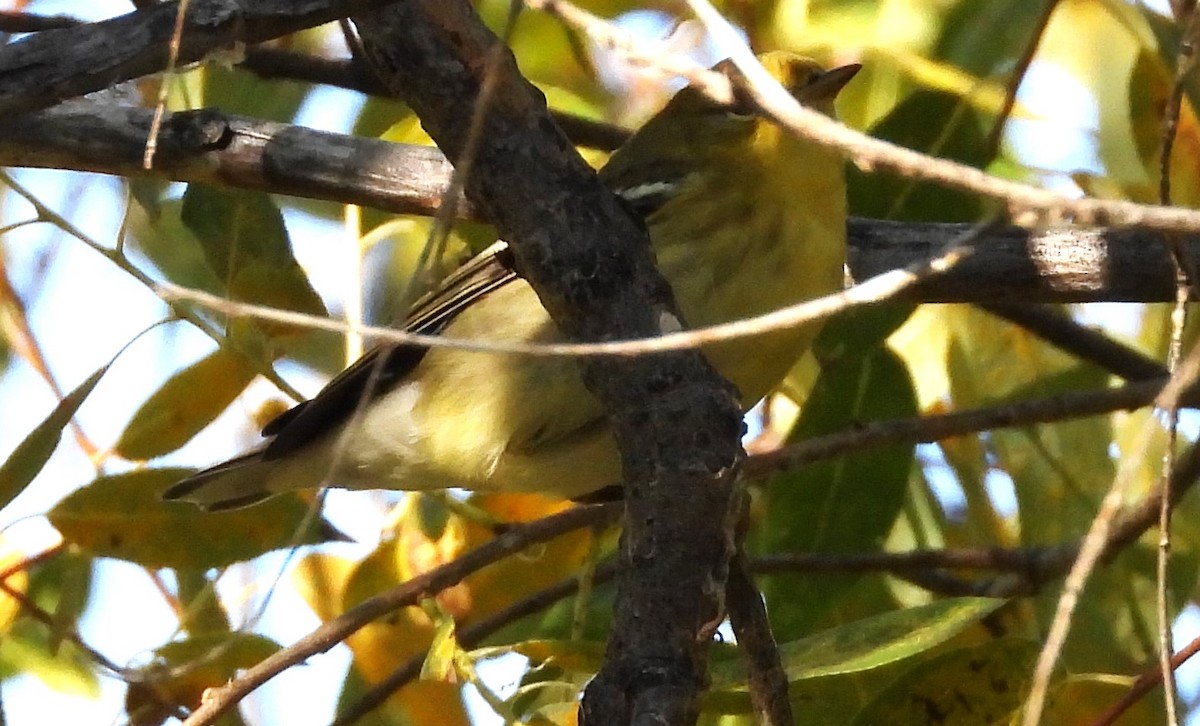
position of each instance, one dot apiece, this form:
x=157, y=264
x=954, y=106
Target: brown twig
x=469, y=636
x=927, y=429
x=333, y=632
x=1185, y=282
x=992, y=143
x=768, y=682
x=1144, y=684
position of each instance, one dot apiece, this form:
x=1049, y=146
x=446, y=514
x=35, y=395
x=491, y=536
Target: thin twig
x=768, y=682
x=1144, y=684
x=468, y=637
x=927, y=429
x=879, y=288
x=329, y=634
x=992, y=144
x=164, y=87
x=1185, y=279
x=1097, y=542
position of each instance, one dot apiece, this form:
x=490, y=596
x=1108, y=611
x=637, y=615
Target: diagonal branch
x=679, y=444
x=409, y=592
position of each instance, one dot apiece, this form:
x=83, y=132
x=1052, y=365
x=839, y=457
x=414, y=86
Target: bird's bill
x=828, y=84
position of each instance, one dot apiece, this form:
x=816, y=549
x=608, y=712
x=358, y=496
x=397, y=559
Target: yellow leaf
x=1080, y=699
x=185, y=404
x=123, y=516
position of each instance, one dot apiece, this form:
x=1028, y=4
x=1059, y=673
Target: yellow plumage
x=744, y=219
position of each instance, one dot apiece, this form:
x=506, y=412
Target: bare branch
x=748, y=615
x=410, y=592
x=44, y=68
x=927, y=429
x=469, y=636
x=1013, y=264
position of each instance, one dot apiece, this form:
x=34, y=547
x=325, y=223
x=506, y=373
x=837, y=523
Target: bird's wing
x=385, y=365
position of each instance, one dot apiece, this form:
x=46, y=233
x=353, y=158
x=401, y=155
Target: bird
x=744, y=218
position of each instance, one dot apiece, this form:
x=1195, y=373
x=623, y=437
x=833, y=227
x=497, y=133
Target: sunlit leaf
x=976, y=686
x=27, y=460
x=247, y=246
x=185, y=404
x=183, y=670
x=439, y=663
x=858, y=646
x=503, y=583
x=1103, y=70
x=1079, y=700
x=333, y=586
x=123, y=516
x=27, y=648
x=882, y=639
x=577, y=656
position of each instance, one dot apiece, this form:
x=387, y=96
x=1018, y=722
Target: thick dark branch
x=12, y=21
x=1013, y=264
x=350, y=74
x=45, y=68
x=676, y=423
x=208, y=146
x=1018, y=265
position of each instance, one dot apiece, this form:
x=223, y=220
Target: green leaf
x=354, y=687
x=986, y=36
x=572, y=656
x=882, y=639
x=185, y=404
x=856, y=332
x=236, y=91
x=224, y=653
x=247, y=246
x=123, y=517
x=27, y=460
x=862, y=645
x=27, y=648
x=844, y=505
x=183, y=670
x=159, y=233
x=439, y=663
x=937, y=123
x=976, y=686
x=1082, y=699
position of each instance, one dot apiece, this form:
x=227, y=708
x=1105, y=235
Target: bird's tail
x=239, y=482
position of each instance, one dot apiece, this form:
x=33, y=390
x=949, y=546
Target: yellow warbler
x=744, y=218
